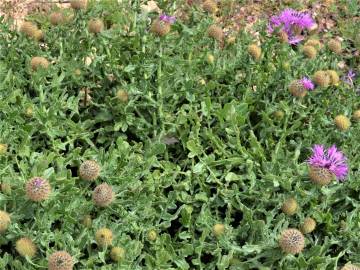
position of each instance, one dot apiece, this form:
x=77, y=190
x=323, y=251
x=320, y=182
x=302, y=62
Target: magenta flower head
x=168, y=19
x=349, y=78
x=307, y=83
x=292, y=22
x=329, y=161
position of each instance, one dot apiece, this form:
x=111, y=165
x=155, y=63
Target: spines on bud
x=25, y=247
x=320, y=176
x=89, y=170
x=216, y=32
x=78, y=4
x=210, y=6
x=356, y=115
x=309, y=51
x=292, y=241
x=290, y=206
x=38, y=62
x=334, y=77
x=103, y=195
x=334, y=45
x=218, y=229
x=56, y=18
x=104, y=237
x=297, y=89
x=38, y=189
x=117, y=254
x=122, y=95
x=342, y=122
x=350, y=266
x=4, y=221
x=60, y=260
x=308, y=225
x=152, y=235
x=160, y=28
x=95, y=26
x=254, y=51
x=321, y=78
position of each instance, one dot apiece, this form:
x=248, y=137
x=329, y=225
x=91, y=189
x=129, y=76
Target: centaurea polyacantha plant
x=327, y=164
x=292, y=23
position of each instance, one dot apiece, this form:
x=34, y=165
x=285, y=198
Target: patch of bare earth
x=17, y=10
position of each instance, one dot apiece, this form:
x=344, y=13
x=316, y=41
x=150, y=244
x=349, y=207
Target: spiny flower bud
x=29, y=112
x=152, y=235
x=38, y=189
x=4, y=221
x=122, y=95
x=342, y=122
x=77, y=72
x=334, y=77
x=78, y=4
x=87, y=221
x=350, y=266
x=28, y=28
x=117, y=254
x=160, y=28
x=38, y=35
x=3, y=148
x=89, y=170
x=216, y=32
x=297, y=89
x=356, y=115
x=290, y=206
x=230, y=40
x=25, y=247
x=39, y=62
x=218, y=229
x=56, y=18
x=210, y=6
x=95, y=26
x=292, y=241
x=60, y=260
x=6, y=188
x=103, y=195
x=283, y=36
x=286, y=65
x=254, y=51
x=335, y=46
x=279, y=114
x=320, y=176
x=210, y=59
x=314, y=43
x=313, y=29
x=309, y=51
x=308, y=225
x=104, y=237
x=321, y=78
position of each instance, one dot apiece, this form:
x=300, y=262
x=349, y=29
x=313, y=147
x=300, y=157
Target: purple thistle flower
x=330, y=159
x=287, y=20
x=349, y=78
x=293, y=40
x=38, y=182
x=168, y=19
x=307, y=83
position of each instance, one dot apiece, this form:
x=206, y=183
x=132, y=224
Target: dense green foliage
x=181, y=155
